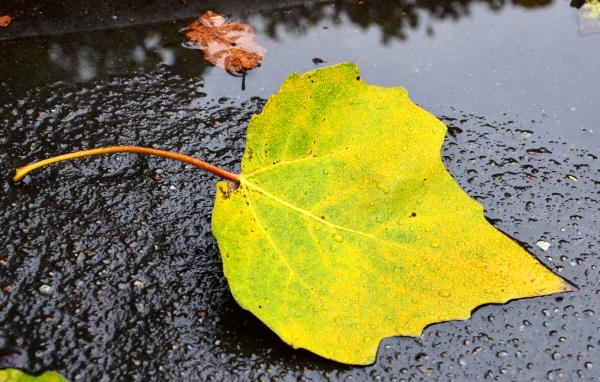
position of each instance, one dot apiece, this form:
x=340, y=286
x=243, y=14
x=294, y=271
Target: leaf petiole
x=21, y=172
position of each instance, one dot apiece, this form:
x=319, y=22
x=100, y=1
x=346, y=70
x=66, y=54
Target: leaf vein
x=275, y=247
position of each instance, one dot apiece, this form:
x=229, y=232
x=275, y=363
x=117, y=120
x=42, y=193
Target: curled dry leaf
x=5, y=20
x=230, y=46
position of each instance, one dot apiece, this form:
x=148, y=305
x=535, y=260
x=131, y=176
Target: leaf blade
x=360, y=238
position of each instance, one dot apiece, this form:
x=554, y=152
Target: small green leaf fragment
x=589, y=17
x=15, y=375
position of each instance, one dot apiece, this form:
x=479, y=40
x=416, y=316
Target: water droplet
x=444, y=293
x=546, y=312
x=435, y=244
x=543, y=245
x=379, y=218
x=325, y=171
x=337, y=237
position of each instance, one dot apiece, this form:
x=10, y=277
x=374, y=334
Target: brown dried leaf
x=5, y=21
x=230, y=46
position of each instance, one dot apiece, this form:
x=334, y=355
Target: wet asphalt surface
x=108, y=268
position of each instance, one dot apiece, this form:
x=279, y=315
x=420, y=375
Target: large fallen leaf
x=230, y=46
x=14, y=375
x=346, y=228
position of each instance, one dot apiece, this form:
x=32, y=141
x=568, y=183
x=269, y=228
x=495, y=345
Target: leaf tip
x=337, y=72
x=568, y=287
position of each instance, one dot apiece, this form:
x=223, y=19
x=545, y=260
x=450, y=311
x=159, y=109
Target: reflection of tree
x=393, y=17
x=83, y=56
x=142, y=34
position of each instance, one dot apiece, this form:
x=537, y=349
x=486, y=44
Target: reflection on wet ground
x=523, y=57
x=109, y=270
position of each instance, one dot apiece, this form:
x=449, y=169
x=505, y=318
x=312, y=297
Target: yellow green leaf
x=14, y=375
x=345, y=227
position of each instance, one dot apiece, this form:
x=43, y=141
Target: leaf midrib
x=244, y=181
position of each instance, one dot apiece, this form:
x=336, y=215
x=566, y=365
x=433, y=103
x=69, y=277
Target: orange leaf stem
x=21, y=172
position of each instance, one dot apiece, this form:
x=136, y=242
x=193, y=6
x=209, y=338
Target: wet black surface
x=108, y=268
